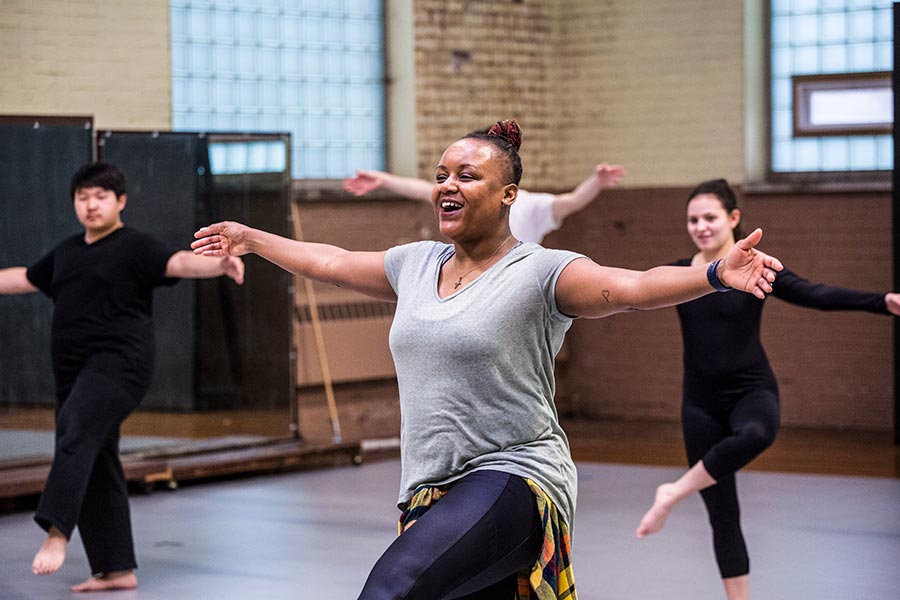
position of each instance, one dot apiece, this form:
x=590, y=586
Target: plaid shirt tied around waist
x=551, y=577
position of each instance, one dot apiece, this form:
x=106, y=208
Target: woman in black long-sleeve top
x=730, y=410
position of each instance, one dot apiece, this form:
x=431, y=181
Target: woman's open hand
x=222, y=239
x=747, y=269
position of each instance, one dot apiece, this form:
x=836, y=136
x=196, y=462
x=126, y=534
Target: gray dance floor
x=314, y=535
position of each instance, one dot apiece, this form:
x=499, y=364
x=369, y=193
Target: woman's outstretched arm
x=359, y=271
x=586, y=289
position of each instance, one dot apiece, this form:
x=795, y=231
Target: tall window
x=819, y=37
x=313, y=68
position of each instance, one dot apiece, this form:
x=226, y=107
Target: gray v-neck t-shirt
x=475, y=370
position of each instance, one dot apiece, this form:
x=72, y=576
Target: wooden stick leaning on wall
x=317, y=334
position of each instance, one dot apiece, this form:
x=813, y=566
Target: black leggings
x=86, y=486
x=471, y=544
x=726, y=429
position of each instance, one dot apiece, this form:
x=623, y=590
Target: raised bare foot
x=656, y=517
x=52, y=553
x=116, y=580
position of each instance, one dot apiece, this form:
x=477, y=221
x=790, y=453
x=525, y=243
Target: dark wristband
x=712, y=275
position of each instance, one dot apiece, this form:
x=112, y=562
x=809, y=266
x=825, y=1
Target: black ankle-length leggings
x=727, y=427
x=470, y=544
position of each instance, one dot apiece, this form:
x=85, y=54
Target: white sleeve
x=531, y=216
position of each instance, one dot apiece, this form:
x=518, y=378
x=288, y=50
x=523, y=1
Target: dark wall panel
x=36, y=164
x=165, y=177
x=247, y=330
x=219, y=345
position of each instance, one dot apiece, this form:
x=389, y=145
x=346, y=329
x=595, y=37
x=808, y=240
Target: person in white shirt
x=531, y=217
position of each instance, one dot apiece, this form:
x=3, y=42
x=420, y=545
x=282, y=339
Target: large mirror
x=224, y=374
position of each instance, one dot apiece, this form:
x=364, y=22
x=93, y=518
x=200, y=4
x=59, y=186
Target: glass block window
x=812, y=37
x=229, y=158
x=312, y=68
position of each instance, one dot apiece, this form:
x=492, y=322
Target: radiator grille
x=355, y=333
x=345, y=311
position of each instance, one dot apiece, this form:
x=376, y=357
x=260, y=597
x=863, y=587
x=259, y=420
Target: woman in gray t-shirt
x=487, y=476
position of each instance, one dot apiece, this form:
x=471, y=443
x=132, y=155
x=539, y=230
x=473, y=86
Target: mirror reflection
x=223, y=374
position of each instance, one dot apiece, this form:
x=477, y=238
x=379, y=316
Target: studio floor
x=315, y=534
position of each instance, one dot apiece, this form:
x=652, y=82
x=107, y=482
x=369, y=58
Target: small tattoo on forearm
x=606, y=295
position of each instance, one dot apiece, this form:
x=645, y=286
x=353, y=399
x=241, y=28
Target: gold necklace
x=493, y=254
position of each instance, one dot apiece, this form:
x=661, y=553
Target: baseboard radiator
x=355, y=334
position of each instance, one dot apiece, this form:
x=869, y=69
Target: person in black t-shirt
x=730, y=410
x=101, y=283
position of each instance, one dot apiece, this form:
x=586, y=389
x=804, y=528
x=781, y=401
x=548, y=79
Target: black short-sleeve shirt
x=102, y=296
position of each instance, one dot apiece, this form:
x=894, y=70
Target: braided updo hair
x=505, y=136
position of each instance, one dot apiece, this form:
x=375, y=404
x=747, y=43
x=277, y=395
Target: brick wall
x=107, y=58
x=834, y=368
x=655, y=85
x=477, y=62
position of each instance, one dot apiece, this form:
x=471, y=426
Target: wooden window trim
x=805, y=85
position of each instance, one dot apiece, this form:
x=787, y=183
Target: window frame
x=804, y=86
x=771, y=180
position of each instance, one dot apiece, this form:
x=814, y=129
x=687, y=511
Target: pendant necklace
x=493, y=254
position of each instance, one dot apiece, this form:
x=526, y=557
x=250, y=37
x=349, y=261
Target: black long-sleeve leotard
x=720, y=331
x=730, y=412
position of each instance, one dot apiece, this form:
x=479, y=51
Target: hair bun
x=509, y=130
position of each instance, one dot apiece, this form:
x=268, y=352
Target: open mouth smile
x=450, y=206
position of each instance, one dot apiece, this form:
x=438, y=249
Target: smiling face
x=470, y=197
x=710, y=226
x=99, y=210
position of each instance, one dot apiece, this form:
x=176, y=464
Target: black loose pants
x=86, y=486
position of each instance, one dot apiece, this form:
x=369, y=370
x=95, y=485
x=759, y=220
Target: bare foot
x=656, y=517
x=52, y=553
x=116, y=580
